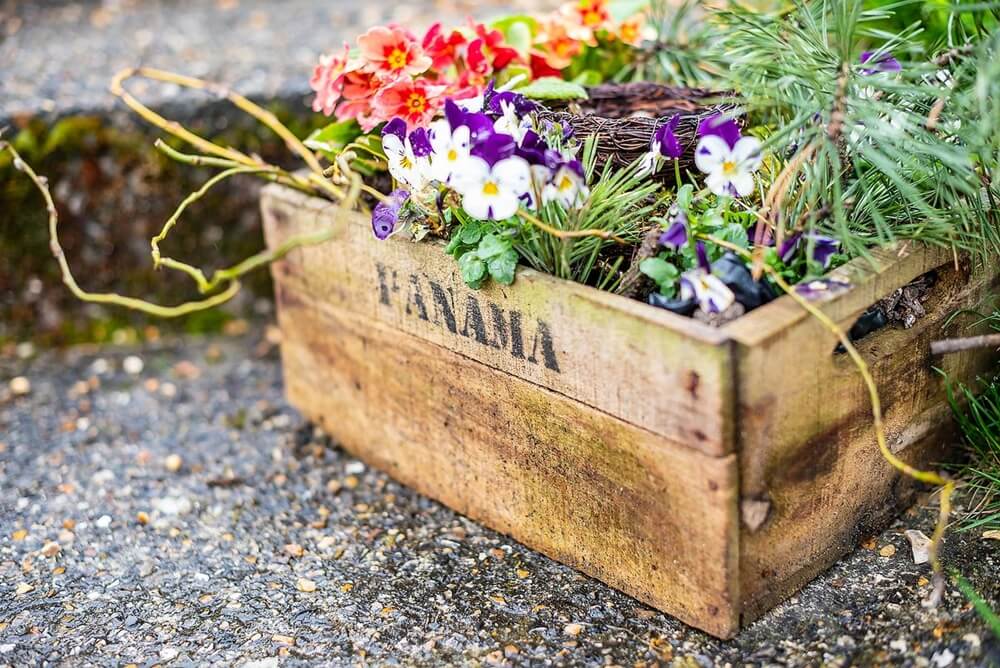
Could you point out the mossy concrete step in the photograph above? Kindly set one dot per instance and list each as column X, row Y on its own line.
column 112, row 189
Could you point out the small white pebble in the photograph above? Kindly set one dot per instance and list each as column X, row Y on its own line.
column 132, row 365
column 25, row 349
column 943, row 659
column 99, row 366
column 354, row 468
column 173, row 463
column 103, row 522
column 169, row 653
column 20, row 386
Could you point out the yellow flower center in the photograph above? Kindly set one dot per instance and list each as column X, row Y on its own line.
column 592, row 18
column 397, row 59
column 405, row 162
column 566, row 183
column 490, row 188
column 416, row 102
column 452, row 155
column 728, row 167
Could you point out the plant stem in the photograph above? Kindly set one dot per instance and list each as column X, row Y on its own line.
column 568, row 234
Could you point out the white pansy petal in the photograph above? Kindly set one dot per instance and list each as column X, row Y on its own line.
column 441, row 136
column 460, row 138
column 504, row 205
column 742, row 182
column 711, row 152
column 513, row 174
column 470, row 174
column 718, row 183
column 648, row 164
column 718, row 294
column 476, row 205
column 747, row 153
column 392, row 145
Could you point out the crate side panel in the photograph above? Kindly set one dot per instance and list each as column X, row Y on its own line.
column 655, row 520
column 812, row 480
column 669, row 375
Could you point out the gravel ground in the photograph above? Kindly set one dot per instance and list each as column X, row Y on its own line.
column 164, row 505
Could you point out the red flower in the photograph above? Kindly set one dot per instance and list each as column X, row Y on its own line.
column 415, row 102
column 392, row 52
column 540, row 66
column 488, row 53
column 358, row 92
column 443, row 49
column 328, row 81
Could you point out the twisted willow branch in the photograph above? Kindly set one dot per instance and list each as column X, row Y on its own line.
column 314, row 182
column 928, row 477
column 226, row 279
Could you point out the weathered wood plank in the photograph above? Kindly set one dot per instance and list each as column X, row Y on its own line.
column 807, row 450
column 659, row 371
column 655, row 519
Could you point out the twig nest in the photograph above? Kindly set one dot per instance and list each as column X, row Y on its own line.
column 625, row 116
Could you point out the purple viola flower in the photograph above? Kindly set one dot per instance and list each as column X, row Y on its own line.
column 536, row 151
column 385, row 216
column 823, row 249
column 494, row 148
column 420, row 141
column 395, row 127
column 521, row 104
column 788, row 247
column 820, row 288
column 480, row 125
column 720, row 126
column 883, row 63
column 702, row 254
column 665, row 139
column 677, row 234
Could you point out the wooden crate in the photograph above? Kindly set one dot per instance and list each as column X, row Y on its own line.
column 707, row 472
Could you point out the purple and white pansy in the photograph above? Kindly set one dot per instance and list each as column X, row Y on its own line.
column 727, row 158
column 490, row 153
column 664, row 144
column 385, row 216
column 712, row 295
column 822, row 248
column 408, row 155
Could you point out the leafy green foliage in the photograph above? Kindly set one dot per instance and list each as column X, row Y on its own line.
column 663, row 273
column 683, row 52
column 332, row 139
column 552, row 88
column 619, row 204
column 871, row 156
column 484, row 250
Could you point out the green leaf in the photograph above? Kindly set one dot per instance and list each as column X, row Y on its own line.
column 588, row 78
column 737, row 234
column 502, row 267
column 491, row 245
column 519, row 32
column 454, row 243
column 471, row 233
column 332, row 139
column 684, row 195
column 472, row 268
column 659, row 270
column 553, row 88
